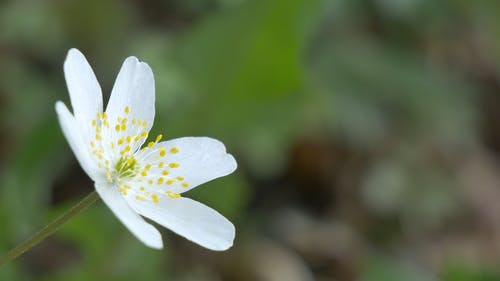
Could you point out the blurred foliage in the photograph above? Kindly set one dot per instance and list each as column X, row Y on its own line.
column 381, row 269
column 466, row 274
column 367, row 134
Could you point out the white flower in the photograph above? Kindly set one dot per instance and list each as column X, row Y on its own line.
column 148, row 181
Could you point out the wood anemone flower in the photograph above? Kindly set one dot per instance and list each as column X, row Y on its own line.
column 135, row 178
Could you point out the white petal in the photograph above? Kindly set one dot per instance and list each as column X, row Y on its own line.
column 134, row 88
column 190, row 219
column 145, row 232
column 84, row 90
column 199, row 159
column 75, row 136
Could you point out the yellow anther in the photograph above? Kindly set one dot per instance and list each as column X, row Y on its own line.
column 122, row 190
column 92, row 144
column 98, row 137
column 165, row 172
column 142, row 188
column 112, row 145
column 163, row 152
column 94, row 122
column 140, row 198
column 99, row 115
column 144, row 134
column 147, row 167
column 134, row 121
column 161, row 164
column 180, row 178
column 159, row 137
column 150, row 181
column 155, row 198
column 173, row 195
column 174, row 150
column 137, row 138
column 127, row 186
column 131, row 161
column 170, row 182
column 124, row 121
column 161, row 180
column 129, row 139
column 124, row 127
column 127, row 110
column 105, row 115
column 144, row 173
column 98, row 129
column 106, row 123
column 120, row 141
column 117, row 128
column 151, row 144
column 185, row 184
column 174, row 165
column 145, row 123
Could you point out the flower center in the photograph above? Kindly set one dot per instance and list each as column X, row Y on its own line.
column 145, row 173
column 126, row 167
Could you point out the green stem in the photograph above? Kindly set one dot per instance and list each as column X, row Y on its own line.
column 49, row 229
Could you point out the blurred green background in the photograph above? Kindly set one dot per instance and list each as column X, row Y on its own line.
column 367, row 134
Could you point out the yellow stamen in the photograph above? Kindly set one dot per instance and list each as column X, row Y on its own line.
column 173, row 195
column 174, row 165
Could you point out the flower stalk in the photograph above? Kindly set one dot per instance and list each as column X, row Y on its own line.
column 49, row 229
